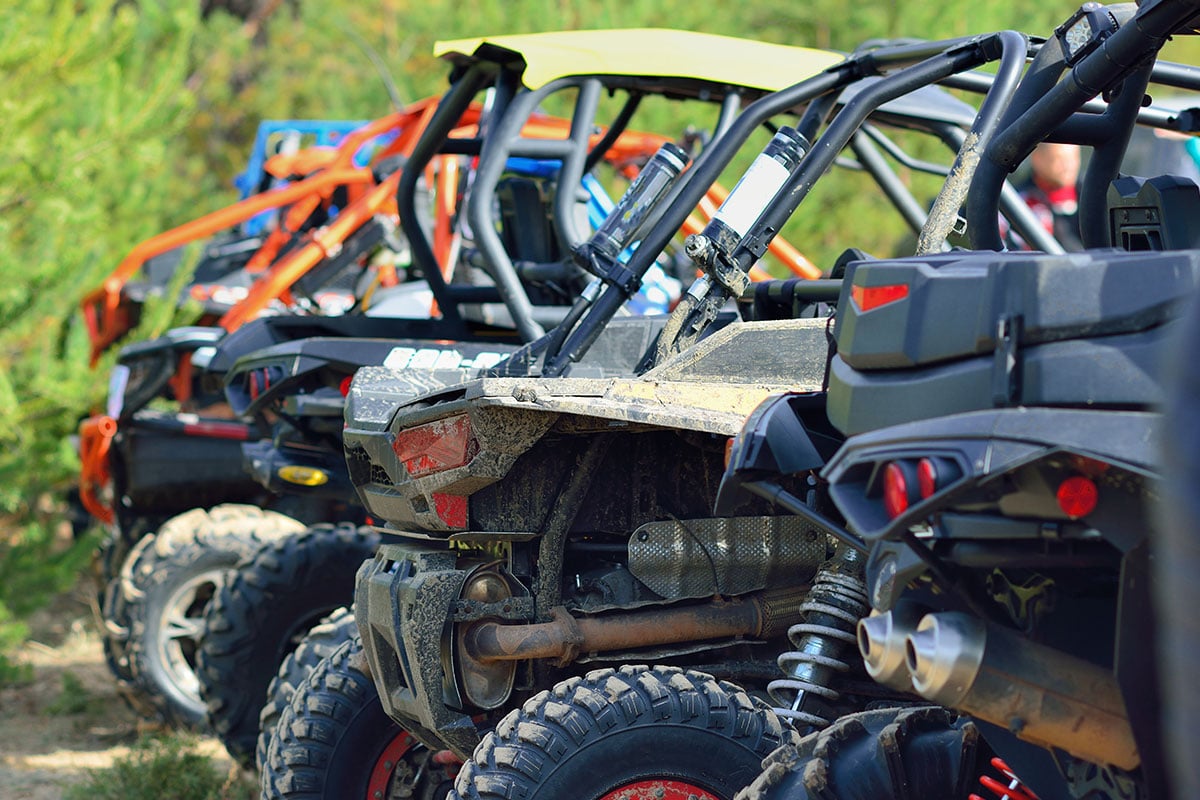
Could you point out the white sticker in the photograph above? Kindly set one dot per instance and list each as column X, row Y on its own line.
column 752, row 193
column 487, row 360
column 425, row 358
column 449, row 359
column 428, row 358
column 399, row 357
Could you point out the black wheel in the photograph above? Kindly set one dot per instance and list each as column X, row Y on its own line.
column 154, row 612
column 317, row 645
column 259, row 616
column 334, row 741
column 638, row 732
column 114, row 549
column 890, row 753
column 114, row 622
column 110, row 557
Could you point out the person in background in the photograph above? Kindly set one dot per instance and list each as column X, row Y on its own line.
column 1050, row 191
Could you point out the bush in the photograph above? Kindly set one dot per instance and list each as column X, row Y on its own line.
column 163, row 767
column 95, row 96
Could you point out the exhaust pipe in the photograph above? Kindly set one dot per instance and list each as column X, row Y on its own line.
column 883, row 642
column 1042, row 695
column 764, row 615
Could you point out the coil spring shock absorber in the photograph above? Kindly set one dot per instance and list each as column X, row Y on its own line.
column 823, row 641
column 1013, row 791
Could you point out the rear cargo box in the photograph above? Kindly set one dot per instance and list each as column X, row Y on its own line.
column 937, row 335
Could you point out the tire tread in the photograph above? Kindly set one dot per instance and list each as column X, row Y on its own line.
column 273, row 594
column 553, row 725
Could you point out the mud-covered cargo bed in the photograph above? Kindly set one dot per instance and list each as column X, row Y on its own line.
column 481, row 427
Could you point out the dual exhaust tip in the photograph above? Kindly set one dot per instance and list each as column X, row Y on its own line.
column 1040, row 694
column 934, row 655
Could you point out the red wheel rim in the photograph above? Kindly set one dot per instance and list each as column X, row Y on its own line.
column 385, row 765
column 659, row 789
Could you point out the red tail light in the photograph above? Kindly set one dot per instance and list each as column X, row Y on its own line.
column 866, row 298
column 935, row 474
column 927, row 476
column 436, row 446
column 259, row 381
column 1077, row 496
column 899, row 487
column 344, row 386
column 451, row 509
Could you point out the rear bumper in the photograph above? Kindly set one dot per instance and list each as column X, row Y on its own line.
column 403, row 604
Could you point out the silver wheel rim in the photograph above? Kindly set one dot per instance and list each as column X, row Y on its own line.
column 180, row 626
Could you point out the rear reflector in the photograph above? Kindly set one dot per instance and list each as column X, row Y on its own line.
column 451, row 509
column 866, row 298
column 303, row 476
column 1077, row 496
column 436, row 446
column 218, row 430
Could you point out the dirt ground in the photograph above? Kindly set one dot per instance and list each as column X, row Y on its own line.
column 69, row 719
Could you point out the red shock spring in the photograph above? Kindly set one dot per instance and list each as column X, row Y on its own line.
column 1013, row 791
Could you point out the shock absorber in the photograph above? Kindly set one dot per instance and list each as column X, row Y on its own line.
column 824, row 641
column 736, row 237
column 601, row 256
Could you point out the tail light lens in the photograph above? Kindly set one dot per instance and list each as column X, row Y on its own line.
column 1077, row 496
column 927, row 475
column 866, row 298
column 436, row 446
column 909, row 481
column 899, row 487
column 935, row 474
column 260, row 381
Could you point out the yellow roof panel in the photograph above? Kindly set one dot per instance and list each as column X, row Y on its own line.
column 653, row 52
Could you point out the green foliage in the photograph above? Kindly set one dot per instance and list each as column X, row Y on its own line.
column 164, row 767
column 72, row 699
column 36, row 565
column 12, row 633
column 93, row 101
column 843, row 26
column 95, row 96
